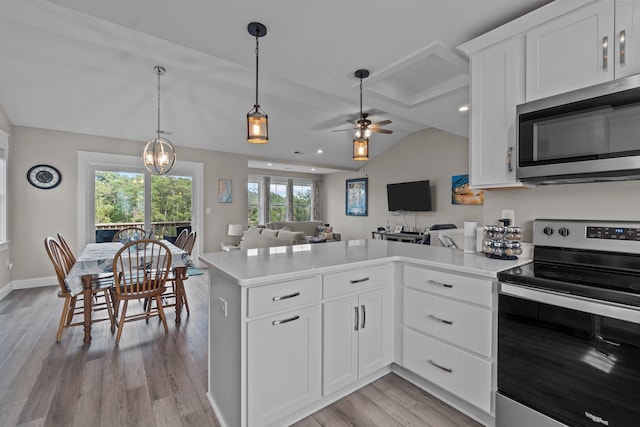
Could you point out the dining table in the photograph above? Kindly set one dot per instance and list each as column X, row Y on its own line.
column 97, row 258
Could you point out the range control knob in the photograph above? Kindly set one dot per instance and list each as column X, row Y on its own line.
column 548, row 231
column 563, row 231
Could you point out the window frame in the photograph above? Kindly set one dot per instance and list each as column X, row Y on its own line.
column 4, row 202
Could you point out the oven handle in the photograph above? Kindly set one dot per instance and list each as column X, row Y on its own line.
column 588, row 305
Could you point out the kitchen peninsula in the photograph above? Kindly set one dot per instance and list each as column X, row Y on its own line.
column 292, row 329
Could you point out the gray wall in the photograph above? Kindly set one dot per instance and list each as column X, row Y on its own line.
column 36, row 214
column 428, row 154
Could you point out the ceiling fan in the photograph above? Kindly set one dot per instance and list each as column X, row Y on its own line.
column 364, row 126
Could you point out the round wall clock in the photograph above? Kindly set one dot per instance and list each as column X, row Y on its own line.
column 44, row 177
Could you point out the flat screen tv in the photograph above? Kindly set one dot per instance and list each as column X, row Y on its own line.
column 409, row 196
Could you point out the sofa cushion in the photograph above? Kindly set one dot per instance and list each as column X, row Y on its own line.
column 296, row 236
column 325, row 232
column 270, row 233
column 309, row 228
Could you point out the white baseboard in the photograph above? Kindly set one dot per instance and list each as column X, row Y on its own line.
column 27, row 284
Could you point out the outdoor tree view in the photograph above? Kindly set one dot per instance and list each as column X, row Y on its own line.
column 120, row 199
column 278, row 211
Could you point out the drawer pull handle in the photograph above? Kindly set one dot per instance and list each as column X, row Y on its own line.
column 280, row 298
column 622, row 39
column 440, row 319
column 449, row 370
column 605, row 52
column 280, row 322
column 444, row 285
column 355, row 309
column 364, row 316
column 353, row 282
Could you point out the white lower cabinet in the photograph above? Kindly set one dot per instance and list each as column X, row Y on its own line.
column 357, row 337
column 448, row 332
column 465, row 375
column 283, row 361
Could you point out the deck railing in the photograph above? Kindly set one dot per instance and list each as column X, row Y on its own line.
column 158, row 229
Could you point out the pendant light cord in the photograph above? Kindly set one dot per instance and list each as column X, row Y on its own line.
column 257, row 55
column 159, row 71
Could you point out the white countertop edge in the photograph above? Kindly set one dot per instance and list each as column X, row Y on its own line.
column 496, row 266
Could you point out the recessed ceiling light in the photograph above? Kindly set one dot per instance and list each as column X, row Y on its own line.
column 319, row 151
column 269, row 164
column 313, row 169
column 463, row 108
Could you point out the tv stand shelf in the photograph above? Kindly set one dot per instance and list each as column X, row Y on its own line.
column 400, row 237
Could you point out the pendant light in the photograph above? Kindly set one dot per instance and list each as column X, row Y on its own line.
column 361, row 140
column 158, row 155
column 257, row 120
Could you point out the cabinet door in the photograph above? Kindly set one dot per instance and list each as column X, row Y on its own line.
column 283, row 356
column 573, row 51
column 375, row 331
column 340, row 339
column 497, row 86
column 627, row 38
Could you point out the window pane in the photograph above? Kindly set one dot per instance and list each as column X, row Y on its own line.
column 170, row 204
column 278, row 210
column 302, row 202
column 253, row 191
column 119, row 202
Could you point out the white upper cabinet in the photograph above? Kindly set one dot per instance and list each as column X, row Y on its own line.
column 497, row 86
column 590, row 45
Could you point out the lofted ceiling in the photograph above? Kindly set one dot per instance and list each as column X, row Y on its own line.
column 86, row 66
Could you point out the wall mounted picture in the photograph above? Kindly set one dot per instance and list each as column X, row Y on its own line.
column 224, row 191
column 356, row 203
column 461, row 194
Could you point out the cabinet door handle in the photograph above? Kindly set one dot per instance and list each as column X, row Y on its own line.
column 364, row 316
column 364, row 279
column 280, row 322
column 440, row 319
column 355, row 328
column 623, row 42
column 280, row 298
column 605, row 52
column 509, row 158
column 449, row 370
column 444, row 285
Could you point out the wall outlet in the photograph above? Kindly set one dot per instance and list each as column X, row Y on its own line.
column 510, row 214
column 222, row 305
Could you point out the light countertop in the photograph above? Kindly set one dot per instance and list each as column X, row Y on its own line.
column 267, row 265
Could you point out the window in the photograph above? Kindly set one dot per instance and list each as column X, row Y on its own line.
column 301, row 202
column 278, row 210
column 253, row 190
column 280, row 205
column 4, row 149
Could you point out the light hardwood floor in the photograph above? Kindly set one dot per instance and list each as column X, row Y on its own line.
column 152, row 379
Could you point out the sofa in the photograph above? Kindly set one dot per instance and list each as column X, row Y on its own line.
column 286, row 233
column 311, row 229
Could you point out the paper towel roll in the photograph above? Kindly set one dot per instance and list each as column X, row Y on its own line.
column 470, row 229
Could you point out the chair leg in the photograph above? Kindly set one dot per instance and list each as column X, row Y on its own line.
column 184, row 299
column 63, row 318
column 161, row 313
column 71, row 308
column 121, row 321
column 107, row 298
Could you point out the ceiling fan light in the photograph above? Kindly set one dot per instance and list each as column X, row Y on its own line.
column 367, row 132
column 257, row 126
column 358, row 133
column 361, row 149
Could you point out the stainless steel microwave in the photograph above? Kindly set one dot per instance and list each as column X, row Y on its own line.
column 591, row 134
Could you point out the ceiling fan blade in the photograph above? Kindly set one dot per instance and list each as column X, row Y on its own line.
column 378, row 130
column 382, row 123
column 344, row 130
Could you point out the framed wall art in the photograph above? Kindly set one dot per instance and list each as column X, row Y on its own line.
column 224, row 191
column 356, row 203
column 461, row 194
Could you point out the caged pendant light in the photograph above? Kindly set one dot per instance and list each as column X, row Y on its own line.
column 361, row 140
column 257, row 120
column 158, row 155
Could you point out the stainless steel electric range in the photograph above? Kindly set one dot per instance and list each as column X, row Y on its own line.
column 569, row 328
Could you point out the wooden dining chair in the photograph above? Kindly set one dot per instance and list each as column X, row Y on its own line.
column 140, row 271
column 73, row 304
column 168, row 297
column 182, row 237
column 128, row 234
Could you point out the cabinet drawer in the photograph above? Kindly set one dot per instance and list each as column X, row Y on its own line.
column 470, row 289
column 459, row 323
column 272, row 298
column 345, row 282
column 464, row 375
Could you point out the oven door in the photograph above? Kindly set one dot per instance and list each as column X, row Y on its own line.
column 566, row 358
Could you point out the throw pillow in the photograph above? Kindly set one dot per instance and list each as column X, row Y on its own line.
column 256, row 230
column 297, row 236
column 269, row 232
